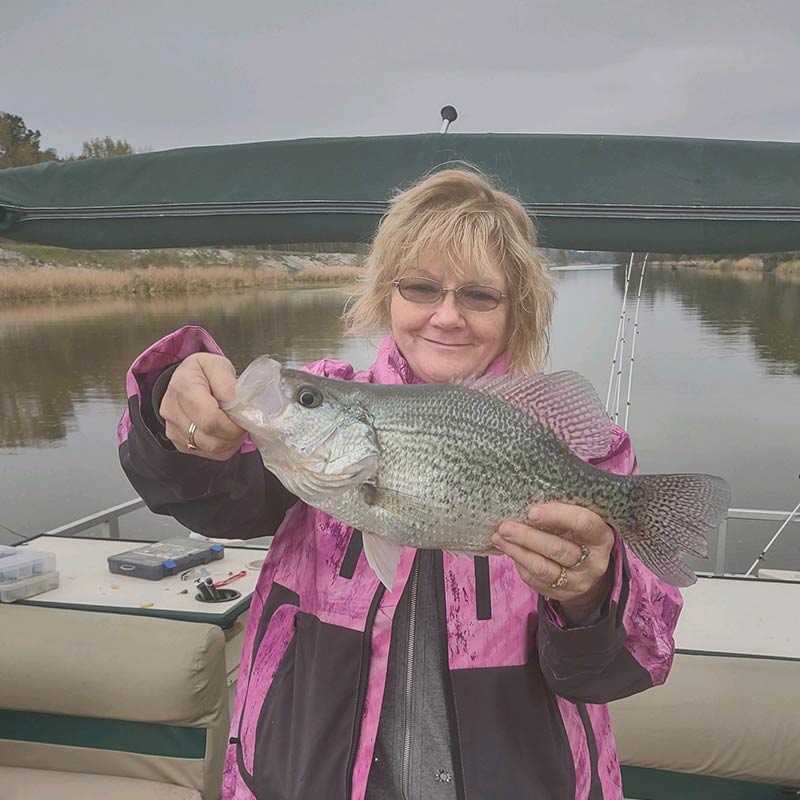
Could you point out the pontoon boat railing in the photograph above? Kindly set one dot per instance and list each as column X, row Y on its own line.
column 109, row 518
column 744, row 513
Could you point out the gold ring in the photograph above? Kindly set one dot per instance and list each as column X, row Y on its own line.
column 562, row 580
column 584, row 555
column 190, row 442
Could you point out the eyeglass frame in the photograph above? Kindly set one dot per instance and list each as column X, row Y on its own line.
column 455, row 289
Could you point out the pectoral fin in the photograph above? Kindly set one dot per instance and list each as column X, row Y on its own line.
column 383, row 556
column 394, row 500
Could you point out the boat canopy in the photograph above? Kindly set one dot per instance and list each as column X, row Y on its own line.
column 616, row 193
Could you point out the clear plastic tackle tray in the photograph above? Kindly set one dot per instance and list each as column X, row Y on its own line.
column 19, row 563
column 28, row 587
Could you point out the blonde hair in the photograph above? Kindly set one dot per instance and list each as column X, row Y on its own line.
column 461, row 217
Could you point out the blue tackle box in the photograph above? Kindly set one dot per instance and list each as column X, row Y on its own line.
column 160, row 559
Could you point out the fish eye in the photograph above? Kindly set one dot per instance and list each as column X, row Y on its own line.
column 309, row 396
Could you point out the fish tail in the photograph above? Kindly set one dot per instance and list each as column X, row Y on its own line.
column 670, row 515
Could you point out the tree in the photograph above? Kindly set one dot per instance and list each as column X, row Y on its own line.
column 106, row 148
column 20, row 146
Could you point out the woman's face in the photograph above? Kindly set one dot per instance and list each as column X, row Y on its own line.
column 444, row 340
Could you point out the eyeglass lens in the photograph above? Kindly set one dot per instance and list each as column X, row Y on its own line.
column 474, row 296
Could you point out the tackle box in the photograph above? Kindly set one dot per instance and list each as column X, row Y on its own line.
column 25, row 573
column 160, row 559
column 28, row 587
column 17, row 563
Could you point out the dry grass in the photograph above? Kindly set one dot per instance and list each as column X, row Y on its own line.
column 789, row 269
column 56, row 283
column 747, row 264
column 785, row 267
column 323, row 274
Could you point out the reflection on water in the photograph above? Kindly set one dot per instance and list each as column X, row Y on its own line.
column 763, row 307
column 717, row 383
column 54, row 356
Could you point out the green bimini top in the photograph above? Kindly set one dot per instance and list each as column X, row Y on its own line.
column 620, row 193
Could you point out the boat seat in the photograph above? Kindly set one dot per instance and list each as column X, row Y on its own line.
column 721, row 724
column 23, row 784
column 134, row 705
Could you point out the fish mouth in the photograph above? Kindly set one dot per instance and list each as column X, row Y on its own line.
column 259, row 386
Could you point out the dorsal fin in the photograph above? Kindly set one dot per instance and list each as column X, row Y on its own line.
column 564, row 402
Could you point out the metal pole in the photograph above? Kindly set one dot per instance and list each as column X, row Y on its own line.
column 772, row 540
column 619, row 334
column 633, row 345
column 722, row 543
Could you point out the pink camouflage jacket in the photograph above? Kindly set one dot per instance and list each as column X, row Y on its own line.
column 525, row 695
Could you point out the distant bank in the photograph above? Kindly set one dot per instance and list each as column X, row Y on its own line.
column 33, row 272
column 782, row 265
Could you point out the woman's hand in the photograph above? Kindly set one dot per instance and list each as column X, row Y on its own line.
column 195, row 390
column 547, row 551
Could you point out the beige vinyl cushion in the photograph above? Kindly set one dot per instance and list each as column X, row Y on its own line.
column 111, row 665
column 17, row 783
column 120, row 667
column 717, row 715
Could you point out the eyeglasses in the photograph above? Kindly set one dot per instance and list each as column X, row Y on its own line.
column 473, row 296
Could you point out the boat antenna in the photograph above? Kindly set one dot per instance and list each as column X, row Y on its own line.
column 772, row 541
column 449, row 114
column 633, row 345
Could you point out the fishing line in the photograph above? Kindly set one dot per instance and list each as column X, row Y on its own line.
column 619, row 333
column 633, row 345
column 6, row 528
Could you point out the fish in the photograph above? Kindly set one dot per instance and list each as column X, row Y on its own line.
column 440, row 465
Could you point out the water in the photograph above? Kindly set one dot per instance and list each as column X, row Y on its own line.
column 716, row 385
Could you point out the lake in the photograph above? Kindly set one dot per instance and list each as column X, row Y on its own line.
column 716, row 385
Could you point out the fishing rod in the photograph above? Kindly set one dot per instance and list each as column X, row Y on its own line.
column 618, row 376
column 633, row 345
column 621, row 361
column 772, row 541
column 619, row 333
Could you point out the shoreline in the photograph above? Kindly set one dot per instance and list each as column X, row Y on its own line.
column 35, row 273
column 75, row 283
column 753, row 266
column 32, row 273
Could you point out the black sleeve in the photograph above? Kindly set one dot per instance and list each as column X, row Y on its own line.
column 234, row 499
column 590, row 663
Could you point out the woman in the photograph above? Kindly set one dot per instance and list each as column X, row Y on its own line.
column 471, row 678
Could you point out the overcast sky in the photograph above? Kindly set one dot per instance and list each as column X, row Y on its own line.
column 176, row 73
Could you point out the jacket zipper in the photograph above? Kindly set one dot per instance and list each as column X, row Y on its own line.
column 449, row 695
column 363, row 675
column 412, row 632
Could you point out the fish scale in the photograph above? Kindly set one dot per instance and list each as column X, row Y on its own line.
column 441, row 465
